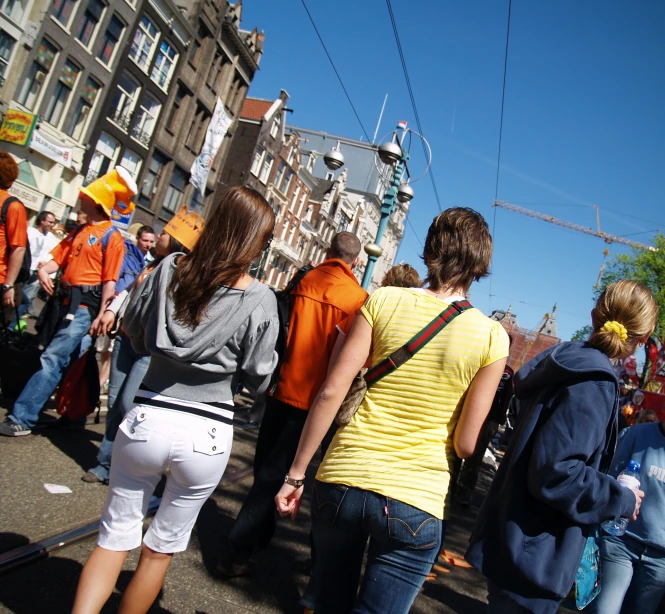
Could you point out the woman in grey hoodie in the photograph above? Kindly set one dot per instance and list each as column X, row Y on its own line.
column 205, row 323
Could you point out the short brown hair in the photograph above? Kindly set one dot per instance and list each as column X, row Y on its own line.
column 8, row 170
column 629, row 304
column 458, row 249
column 345, row 246
column 402, row 276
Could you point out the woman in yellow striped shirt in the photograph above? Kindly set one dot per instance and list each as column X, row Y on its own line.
column 385, row 476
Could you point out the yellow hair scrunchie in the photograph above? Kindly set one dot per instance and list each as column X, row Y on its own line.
column 611, row 326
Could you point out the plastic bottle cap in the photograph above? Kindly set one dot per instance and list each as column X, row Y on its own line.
column 634, row 465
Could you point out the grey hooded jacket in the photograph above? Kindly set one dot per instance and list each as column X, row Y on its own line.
column 236, row 335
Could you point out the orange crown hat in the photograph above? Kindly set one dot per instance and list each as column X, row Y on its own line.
column 113, row 191
column 186, row 226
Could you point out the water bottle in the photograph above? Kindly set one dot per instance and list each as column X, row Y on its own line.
column 630, row 478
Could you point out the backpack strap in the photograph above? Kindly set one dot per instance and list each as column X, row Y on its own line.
column 5, row 208
column 107, row 237
column 417, row 342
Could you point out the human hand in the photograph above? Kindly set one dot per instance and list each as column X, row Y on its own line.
column 639, row 495
column 45, row 281
column 107, row 322
column 8, row 298
column 288, row 500
column 96, row 327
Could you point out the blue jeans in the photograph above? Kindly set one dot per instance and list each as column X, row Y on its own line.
column 633, row 574
column 127, row 371
column 404, row 543
column 71, row 338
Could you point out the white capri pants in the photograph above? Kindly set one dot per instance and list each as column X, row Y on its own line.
column 151, row 440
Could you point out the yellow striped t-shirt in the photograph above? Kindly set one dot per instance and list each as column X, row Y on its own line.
column 399, row 442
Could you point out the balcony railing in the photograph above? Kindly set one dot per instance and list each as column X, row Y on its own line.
column 120, row 118
column 281, row 246
column 141, row 136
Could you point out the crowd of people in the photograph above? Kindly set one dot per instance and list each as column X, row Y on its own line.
column 190, row 327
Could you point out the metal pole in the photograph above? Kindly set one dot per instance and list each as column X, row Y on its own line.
column 387, row 206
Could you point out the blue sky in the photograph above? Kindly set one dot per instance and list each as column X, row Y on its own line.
column 584, row 121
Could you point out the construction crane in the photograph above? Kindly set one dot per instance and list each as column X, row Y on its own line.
column 590, row 231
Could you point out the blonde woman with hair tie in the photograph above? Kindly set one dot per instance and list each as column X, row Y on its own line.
column 552, row 489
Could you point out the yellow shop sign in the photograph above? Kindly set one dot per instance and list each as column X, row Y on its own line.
column 17, row 127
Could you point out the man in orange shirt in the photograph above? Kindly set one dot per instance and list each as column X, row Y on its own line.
column 91, row 257
column 323, row 300
column 13, row 238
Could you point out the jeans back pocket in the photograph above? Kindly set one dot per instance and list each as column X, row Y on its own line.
column 411, row 527
column 326, row 501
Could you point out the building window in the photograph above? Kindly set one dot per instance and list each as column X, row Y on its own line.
column 124, row 101
column 132, row 162
column 110, row 41
column 179, row 100
column 6, row 47
column 286, row 182
column 151, row 181
column 274, row 129
column 266, row 168
column 280, row 173
column 197, row 44
column 330, row 176
column 89, row 21
column 146, row 118
column 164, row 65
column 291, row 156
column 36, row 78
column 197, row 132
column 14, row 9
column 83, row 109
column 176, row 191
column 144, row 43
column 63, row 11
column 258, row 161
column 214, row 78
column 104, row 156
column 61, row 93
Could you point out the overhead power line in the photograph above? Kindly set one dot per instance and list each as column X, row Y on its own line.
column 413, row 99
column 336, row 72
column 498, row 157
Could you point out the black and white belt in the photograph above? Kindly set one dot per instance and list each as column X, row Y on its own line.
column 150, row 398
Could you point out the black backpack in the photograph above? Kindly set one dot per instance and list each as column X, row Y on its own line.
column 284, row 314
column 24, row 271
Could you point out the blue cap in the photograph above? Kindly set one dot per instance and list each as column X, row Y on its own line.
column 634, row 466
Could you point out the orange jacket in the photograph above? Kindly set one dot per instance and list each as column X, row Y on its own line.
column 324, row 298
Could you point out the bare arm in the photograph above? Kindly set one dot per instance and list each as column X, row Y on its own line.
column 352, row 357
column 476, row 407
column 43, row 274
column 108, row 290
column 339, row 342
column 13, row 268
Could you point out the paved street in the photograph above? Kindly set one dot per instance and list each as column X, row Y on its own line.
column 29, row 513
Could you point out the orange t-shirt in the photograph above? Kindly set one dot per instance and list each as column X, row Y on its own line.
column 17, row 231
column 82, row 255
column 324, row 299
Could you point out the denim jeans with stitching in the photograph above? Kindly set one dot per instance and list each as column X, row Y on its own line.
column 127, row 371
column 72, row 338
column 404, row 543
column 633, row 574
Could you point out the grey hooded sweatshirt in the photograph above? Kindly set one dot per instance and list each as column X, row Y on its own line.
column 237, row 334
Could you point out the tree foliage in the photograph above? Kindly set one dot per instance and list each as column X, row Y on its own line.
column 641, row 265
column 647, row 267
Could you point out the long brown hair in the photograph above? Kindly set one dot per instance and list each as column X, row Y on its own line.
column 235, row 234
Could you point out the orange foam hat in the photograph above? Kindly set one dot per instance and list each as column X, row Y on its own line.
column 113, row 191
column 186, row 226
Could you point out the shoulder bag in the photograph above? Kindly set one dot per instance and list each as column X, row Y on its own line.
column 367, row 377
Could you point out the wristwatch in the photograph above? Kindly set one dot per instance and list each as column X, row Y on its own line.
column 6, row 287
column 292, row 482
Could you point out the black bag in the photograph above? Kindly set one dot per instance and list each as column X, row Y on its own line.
column 284, row 314
column 19, row 360
column 24, row 271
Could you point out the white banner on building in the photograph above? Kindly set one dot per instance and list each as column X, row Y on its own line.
column 62, row 155
column 218, row 127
